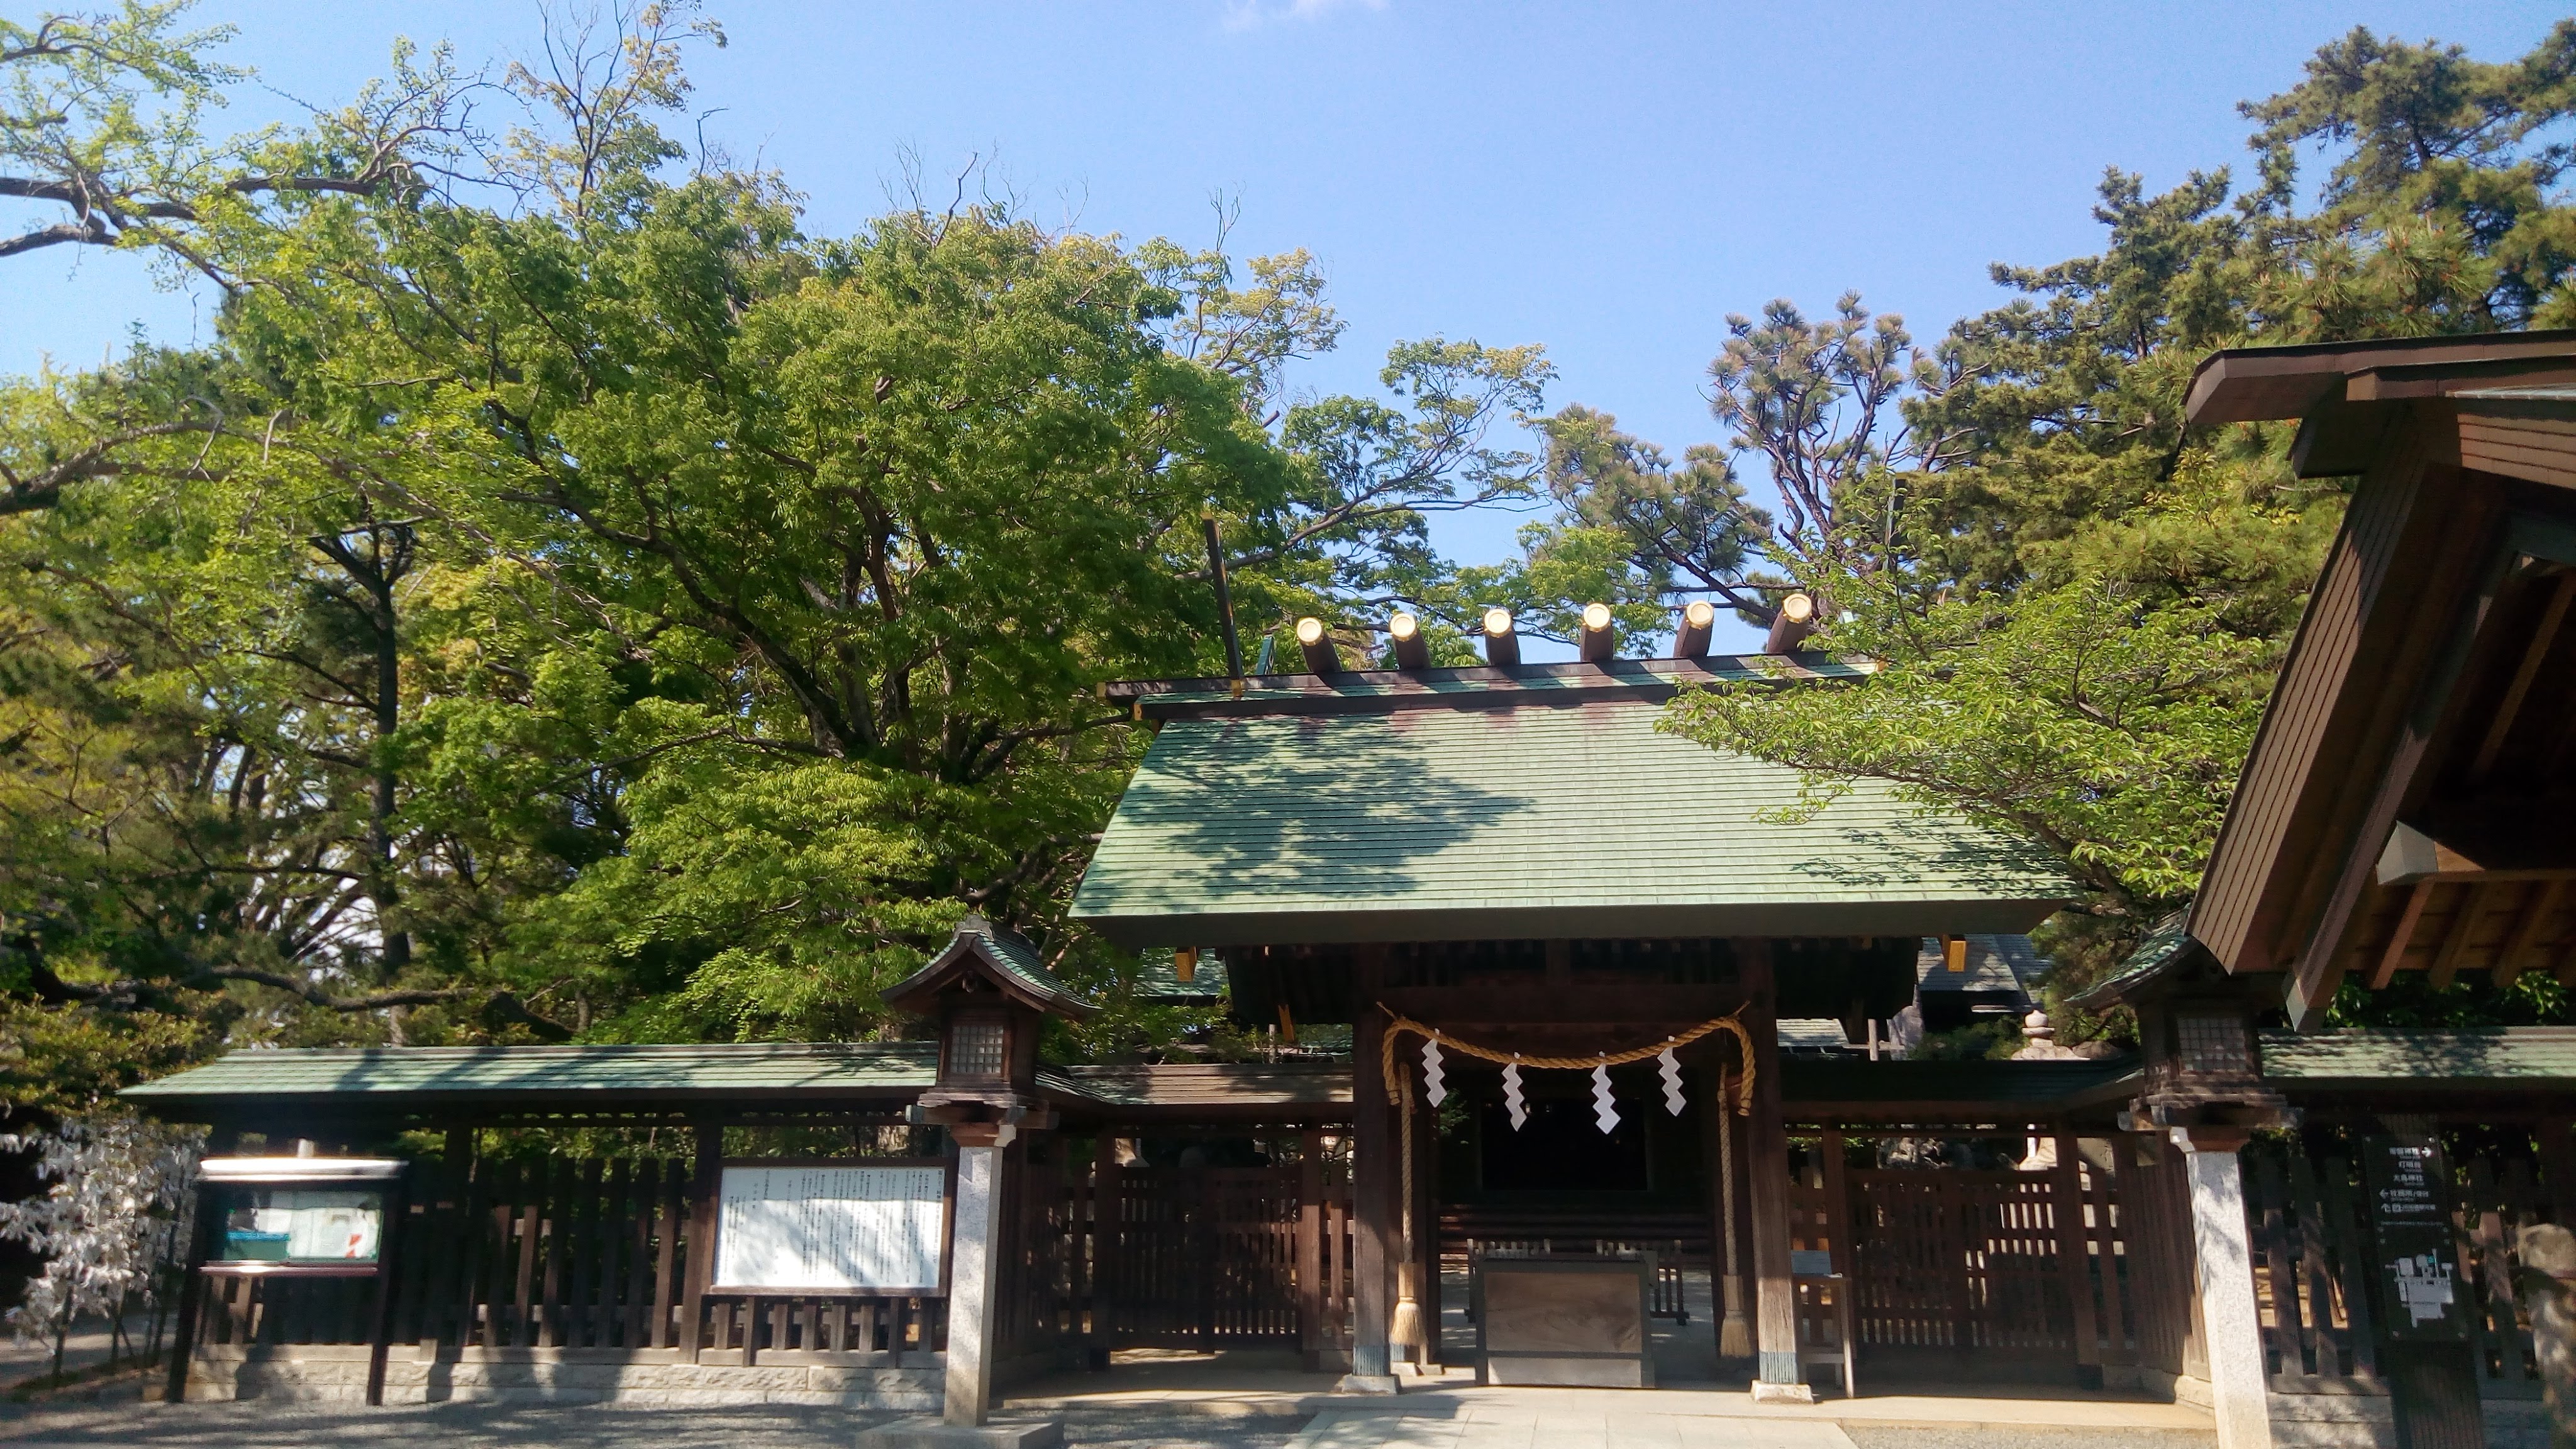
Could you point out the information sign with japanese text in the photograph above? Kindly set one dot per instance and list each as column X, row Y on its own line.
column 825, row 1229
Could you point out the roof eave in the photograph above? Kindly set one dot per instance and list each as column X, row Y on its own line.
column 1326, row 924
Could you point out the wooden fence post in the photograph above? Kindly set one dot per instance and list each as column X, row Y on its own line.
column 706, row 1180
column 1310, row 1248
column 2074, row 1258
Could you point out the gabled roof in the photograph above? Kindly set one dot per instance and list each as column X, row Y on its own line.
column 2425, row 716
column 2167, row 947
column 981, row 948
column 1531, row 822
column 2252, row 384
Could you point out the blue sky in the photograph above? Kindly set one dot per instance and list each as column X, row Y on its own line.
column 1609, row 180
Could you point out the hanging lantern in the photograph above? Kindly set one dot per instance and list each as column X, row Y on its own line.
column 1512, row 1103
column 1602, row 1111
column 1672, row 1081
column 1434, row 1088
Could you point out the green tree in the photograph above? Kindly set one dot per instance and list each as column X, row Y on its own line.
column 2077, row 605
column 568, row 599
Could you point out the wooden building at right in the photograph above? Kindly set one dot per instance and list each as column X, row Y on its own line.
column 2409, row 809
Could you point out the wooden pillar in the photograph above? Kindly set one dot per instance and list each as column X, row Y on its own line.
column 2075, row 1258
column 706, row 1182
column 1108, row 1212
column 203, row 1226
column 1845, row 1258
column 1310, row 1248
column 1766, row 1172
column 1373, row 1190
column 391, row 1234
column 1426, row 1227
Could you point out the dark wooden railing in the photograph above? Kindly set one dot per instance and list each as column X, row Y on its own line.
column 2313, row 1263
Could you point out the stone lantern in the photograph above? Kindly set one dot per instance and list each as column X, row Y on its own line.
column 990, row 994
column 2203, row 1066
column 2203, row 1089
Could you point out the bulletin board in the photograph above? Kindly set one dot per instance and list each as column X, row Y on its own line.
column 833, row 1228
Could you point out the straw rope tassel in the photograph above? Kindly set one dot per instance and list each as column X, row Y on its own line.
column 1734, row 1334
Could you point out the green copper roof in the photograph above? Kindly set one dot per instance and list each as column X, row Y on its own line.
column 1518, row 823
column 2424, row 1057
column 1015, row 955
column 731, row 1068
column 2167, row 944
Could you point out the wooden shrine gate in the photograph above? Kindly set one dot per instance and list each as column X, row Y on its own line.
column 1204, row 1258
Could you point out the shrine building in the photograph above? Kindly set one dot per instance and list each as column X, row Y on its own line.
column 1574, row 1060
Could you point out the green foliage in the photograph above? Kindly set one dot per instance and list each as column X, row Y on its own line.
column 1981, row 1041
column 2078, row 606
column 568, row 599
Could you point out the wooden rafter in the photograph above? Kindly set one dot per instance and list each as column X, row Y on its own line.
column 2401, row 935
column 2526, row 929
column 2552, row 616
column 2455, row 939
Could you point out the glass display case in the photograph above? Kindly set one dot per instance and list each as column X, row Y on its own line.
column 298, row 1215
column 299, row 1225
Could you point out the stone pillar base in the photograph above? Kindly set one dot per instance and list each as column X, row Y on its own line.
column 1367, row 1384
column 926, row 1432
column 1766, row 1393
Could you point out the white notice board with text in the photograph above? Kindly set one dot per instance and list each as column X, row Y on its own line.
column 824, row 1229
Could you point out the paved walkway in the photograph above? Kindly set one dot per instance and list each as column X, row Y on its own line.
column 86, row 1345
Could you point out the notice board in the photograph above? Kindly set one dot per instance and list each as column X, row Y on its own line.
column 833, row 1228
column 2418, row 1251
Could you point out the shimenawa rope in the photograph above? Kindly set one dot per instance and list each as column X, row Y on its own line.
column 1405, row 1326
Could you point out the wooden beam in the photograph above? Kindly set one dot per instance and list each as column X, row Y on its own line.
column 2564, row 968
column 1411, row 651
column 2526, row 929
column 2446, row 961
column 1502, row 645
column 1699, row 620
column 1315, row 642
column 1598, row 640
column 2552, row 616
column 2477, row 849
column 2401, row 935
